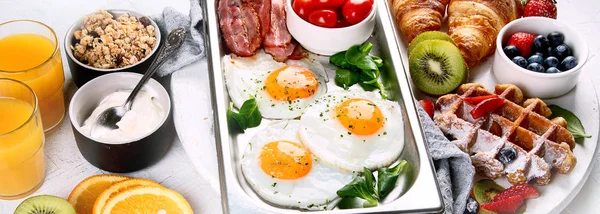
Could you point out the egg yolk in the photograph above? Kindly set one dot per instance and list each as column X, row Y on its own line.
column 291, row 82
column 360, row 116
column 285, row 160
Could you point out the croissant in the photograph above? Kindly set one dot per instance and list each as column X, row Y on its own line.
column 474, row 25
column 417, row 16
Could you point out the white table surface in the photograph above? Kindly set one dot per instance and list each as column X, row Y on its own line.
column 194, row 179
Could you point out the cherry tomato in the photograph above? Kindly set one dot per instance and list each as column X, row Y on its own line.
column 356, row 10
column 328, row 3
column 303, row 8
column 342, row 23
column 323, row 18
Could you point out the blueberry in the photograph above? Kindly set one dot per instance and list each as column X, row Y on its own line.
column 568, row 63
column 541, row 53
column 561, row 51
column 540, row 43
column 471, row 207
column 556, row 38
column 551, row 62
column 535, row 59
column 552, row 70
column 536, row 67
column 507, row 155
column 520, row 61
column 511, row 51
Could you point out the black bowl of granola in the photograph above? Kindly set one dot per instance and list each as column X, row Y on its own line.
column 110, row 41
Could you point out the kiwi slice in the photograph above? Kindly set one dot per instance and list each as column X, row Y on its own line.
column 485, row 190
column 429, row 35
column 437, row 67
column 45, row 204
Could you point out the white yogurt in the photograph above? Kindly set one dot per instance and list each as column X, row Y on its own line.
column 145, row 116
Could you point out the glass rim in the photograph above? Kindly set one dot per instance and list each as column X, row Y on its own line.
column 35, row 106
column 56, row 44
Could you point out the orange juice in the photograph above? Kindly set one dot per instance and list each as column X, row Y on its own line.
column 21, row 148
column 35, row 60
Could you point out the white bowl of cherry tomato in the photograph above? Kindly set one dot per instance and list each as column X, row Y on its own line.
column 542, row 56
column 329, row 26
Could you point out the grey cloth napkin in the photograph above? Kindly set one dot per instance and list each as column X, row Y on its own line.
column 454, row 170
column 193, row 47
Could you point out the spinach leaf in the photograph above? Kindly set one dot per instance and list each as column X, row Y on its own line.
column 346, row 78
column 378, row 61
column 339, row 60
column 387, row 178
column 360, row 188
column 370, row 179
column 247, row 117
column 366, row 63
column 369, row 80
column 235, row 120
column 249, row 111
column 358, row 52
column 573, row 123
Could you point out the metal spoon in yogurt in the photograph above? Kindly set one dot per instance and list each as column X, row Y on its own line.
column 108, row 119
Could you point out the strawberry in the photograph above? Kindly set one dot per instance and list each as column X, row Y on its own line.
column 427, row 106
column 525, row 190
column 508, row 205
column 545, row 8
column 523, row 42
column 478, row 99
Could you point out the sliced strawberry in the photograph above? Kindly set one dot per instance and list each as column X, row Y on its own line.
column 478, row 99
column 525, row 190
column 508, row 205
column 427, row 106
column 486, row 106
column 545, row 8
column 523, row 42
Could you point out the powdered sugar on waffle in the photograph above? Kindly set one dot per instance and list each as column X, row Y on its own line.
column 511, row 125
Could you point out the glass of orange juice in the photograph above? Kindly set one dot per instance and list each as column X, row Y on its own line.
column 29, row 52
column 22, row 169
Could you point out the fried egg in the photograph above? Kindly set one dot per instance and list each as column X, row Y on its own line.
column 282, row 171
column 353, row 129
column 282, row 91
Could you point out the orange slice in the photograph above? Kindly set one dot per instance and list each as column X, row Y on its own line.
column 85, row 193
column 119, row 187
column 147, row 199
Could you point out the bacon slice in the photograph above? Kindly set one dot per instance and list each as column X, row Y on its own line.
column 240, row 27
column 299, row 52
column 263, row 10
column 278, row 41
column 281, row 54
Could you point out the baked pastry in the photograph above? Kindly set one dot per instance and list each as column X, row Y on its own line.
column 417, row 16
column 474, row 25
column 539, row 144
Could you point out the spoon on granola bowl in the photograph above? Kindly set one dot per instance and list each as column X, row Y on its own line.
column 108, row 119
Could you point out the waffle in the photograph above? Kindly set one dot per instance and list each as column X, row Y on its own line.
column 541, row 144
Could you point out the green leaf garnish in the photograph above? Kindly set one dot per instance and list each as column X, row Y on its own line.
column 359, row 188
column 387, row 178
column 573, row 123
column 357, row 59
column 339, row 60
column 378, row 61
column 358, row 52
column 346, row 78
column 366, row 191
column 247, row 117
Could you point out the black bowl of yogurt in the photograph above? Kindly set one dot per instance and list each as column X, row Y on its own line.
column 145, row 133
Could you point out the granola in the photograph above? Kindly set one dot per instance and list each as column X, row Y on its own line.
column 105, row 42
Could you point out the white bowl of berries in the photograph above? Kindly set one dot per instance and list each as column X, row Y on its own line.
column 540, row 55
column 329, row 26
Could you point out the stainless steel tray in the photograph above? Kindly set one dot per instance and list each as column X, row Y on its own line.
column 417, row 191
